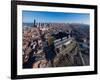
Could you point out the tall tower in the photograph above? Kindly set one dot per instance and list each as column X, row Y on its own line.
column 34, row 24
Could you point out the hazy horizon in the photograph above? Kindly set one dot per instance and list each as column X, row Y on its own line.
column 55, row 17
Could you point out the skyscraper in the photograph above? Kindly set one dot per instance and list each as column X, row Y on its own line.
column 34, row 24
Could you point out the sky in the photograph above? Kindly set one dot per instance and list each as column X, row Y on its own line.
column 55, row 17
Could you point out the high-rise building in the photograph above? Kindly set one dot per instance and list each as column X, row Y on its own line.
column 34, row 24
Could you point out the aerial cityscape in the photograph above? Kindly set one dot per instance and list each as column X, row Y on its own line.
column 55, row 39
